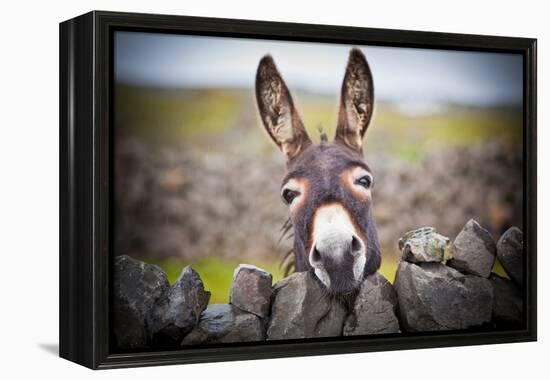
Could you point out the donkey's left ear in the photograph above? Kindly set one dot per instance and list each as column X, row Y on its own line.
column 356, row 102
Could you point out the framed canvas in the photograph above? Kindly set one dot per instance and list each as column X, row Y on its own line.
column 234, row 189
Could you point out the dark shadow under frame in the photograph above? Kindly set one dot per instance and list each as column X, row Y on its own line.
column 86, row 186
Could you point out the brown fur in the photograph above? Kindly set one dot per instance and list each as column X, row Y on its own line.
column 324, row 166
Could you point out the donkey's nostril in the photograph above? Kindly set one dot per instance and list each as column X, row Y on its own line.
column 355, row 244
column 315, row 255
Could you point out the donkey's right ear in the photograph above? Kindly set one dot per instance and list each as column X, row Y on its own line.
column 277, row 111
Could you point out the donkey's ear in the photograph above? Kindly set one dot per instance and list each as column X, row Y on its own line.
column 356, row 102
column 280, row 118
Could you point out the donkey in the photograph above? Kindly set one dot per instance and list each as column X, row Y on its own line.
column 328, row 185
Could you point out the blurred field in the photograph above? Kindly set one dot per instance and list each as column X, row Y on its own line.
column 197, row 180
column 217, row 272
column 172, row 116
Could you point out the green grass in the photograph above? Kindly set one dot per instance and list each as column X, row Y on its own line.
column 498, row 269
column 171, row 115
column 411, row 138
column 217, row 272
column 202, row 116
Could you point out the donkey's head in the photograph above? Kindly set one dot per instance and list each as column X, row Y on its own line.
column 328, row 185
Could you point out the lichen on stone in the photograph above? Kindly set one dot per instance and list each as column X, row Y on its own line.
column 425, row 245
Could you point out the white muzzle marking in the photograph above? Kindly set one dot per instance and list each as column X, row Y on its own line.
column 333, row 232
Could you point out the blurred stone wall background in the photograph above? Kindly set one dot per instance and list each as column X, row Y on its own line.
column 169, row 203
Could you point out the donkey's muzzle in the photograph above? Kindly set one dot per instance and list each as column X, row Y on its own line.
column 338, row 261
column 337, row 254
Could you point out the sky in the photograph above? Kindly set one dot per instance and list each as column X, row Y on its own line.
column 401, row 75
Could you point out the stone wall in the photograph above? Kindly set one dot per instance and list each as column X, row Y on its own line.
column 439, row 285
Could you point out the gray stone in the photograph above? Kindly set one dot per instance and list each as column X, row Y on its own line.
column 302, row 309
column 222, row 323
column 424, row 245
column 508, row 302
column 374, row 310
column 510, row 254
column 137, row 287
column 473, row 250
column 251, row 290
column 178, row 313
column 435, row 297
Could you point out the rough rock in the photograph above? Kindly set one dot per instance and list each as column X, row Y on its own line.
column 435, row 297
column 510, row 254
column 222, row 323
column 178, row 313
column 301, row 309
column 374, row 310
column 424, row 245
column 251, row 290
column 508, row 301
column 137, row 286
column 473, row 250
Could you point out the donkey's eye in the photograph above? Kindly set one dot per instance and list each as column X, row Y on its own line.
column 365, row 181
column 289, row 195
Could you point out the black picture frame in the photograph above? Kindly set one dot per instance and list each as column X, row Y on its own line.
column 86, row 52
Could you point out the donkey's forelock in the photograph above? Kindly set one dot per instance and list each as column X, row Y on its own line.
column 327, row 185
